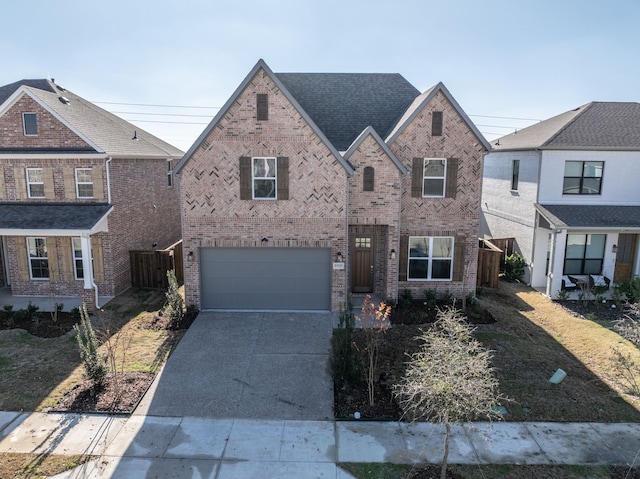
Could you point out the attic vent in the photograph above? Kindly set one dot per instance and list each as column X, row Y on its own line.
column 64, row 100
column 262, row 107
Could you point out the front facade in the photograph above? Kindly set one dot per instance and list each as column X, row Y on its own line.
column 566, row 190
column 308, row 187
column 79, row 189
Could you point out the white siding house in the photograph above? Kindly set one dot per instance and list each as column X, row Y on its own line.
column 566, row 189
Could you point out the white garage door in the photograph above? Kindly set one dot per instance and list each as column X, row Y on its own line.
column 266, row 278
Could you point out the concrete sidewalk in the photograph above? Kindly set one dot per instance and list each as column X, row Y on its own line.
column 150, row 446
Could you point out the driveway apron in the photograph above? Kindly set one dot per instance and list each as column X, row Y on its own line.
column 249, row 365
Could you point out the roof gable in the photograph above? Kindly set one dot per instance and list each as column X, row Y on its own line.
column 344, row 104
column 261, row 65
column 104, row 131
column 421, row 102
column 370, row 131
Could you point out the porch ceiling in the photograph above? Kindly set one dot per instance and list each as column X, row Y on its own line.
column 53, row 219
column 591, row 216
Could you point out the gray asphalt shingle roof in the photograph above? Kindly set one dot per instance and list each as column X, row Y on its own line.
column 51, row 216
column 342, row 105
column 591, row 216
column 109, row 133
column 594, row 126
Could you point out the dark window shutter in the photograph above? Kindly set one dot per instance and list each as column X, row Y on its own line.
column 245, row 178
column 404, row 258
column 458, row 259
column 452, row 178
column 436, row 123
column 368, row 179
column 417, row 175
column 262, row 107
column 283, row 178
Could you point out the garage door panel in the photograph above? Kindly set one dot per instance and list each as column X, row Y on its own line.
column 266, row 278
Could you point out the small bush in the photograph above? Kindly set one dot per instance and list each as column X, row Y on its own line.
column 406, row 299
column 95, row 365
column 514, row 268
column 631, row 289
column 174, row 304
column 346, row 366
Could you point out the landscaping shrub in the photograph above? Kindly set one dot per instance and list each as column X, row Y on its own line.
column 174, row 304
column 345, row 360
column 95, row 365
column 514, row 267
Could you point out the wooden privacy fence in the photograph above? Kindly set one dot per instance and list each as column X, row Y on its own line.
column 149, row 268
column 489, row 259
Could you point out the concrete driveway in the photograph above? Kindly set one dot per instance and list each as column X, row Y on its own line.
column 255, row 365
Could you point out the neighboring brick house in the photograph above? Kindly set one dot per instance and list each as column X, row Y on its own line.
column 567, row 190
column 79, row 189
column 307, row 187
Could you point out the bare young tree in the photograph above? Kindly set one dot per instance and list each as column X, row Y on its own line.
column 450, row 379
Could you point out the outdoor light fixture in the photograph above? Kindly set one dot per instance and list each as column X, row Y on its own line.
column 338, row 257
column 190, row 256
column 393, row 254
column 614, row 248
column 264, row 240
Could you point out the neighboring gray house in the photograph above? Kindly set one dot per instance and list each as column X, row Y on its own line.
column 567, row 190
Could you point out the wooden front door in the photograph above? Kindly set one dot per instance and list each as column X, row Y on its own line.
column 362, row 281
column 625, row 255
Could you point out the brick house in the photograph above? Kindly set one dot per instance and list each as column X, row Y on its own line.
column 79, row 189
column 307, row 187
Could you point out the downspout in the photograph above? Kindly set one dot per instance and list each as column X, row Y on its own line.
column 93, row 279
column 106, row 167
column 399, row 254
column 347, row 270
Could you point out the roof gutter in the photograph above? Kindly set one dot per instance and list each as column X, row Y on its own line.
column 106, row 167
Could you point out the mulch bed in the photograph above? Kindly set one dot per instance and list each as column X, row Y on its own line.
column 42, row 325
column 120, row 393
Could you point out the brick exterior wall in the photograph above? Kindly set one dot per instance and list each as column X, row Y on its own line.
column 213, row 213
column 377, row 212
column 443, row 216
column 146, row 210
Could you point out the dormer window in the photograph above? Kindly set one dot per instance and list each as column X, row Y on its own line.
column 262, row 107
column 30, row 124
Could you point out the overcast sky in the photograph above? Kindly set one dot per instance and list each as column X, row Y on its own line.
column 500, row 59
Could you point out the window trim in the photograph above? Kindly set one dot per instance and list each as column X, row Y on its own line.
column 29, row 182
column 582, row 177
column 37, row 258
column 444, row 178
column 77, row 258
column 78, row 183
column 515, row 174
column 254, row 178
column 430, row 259
column 584, row 258
column 24, row 123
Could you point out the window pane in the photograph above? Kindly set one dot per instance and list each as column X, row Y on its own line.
column 573, row 168
column 30, row 124
column 433, row 187
column 264, row 167
column 85, row 191
column 34, row 175
column 36, row 191
column 264, row 188
column 575, row 246
column 595, row 246
column 418, row 247
column 573, row 266
column 591, row 186
column 433, row 167
column 418, row 268
column 571, row 186
column 442, row 247
column 593, row 169
column 84, row 175
column 592, row 266
column 39, row 268
column 441, row 269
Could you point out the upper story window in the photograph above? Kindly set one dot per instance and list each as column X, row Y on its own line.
column 582, row 177
column 38, row 258
column 264, row 177
column 433, row 177
column 430, row 258
column 35, row 183
column 436, row 123
column 262, row 107
column 170, row 173
column 515, row 174
column 30, row 124
column 84, row 183
column 368, row 178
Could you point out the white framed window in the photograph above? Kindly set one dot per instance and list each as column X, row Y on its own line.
column 30, row 124
column 434, row 175
column 35, row 183
column 38, row 258
column 78, row 269
column 264, row 178
column 84, row 183
column 430, row 258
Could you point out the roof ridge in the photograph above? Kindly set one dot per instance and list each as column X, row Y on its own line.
column 583, row 109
